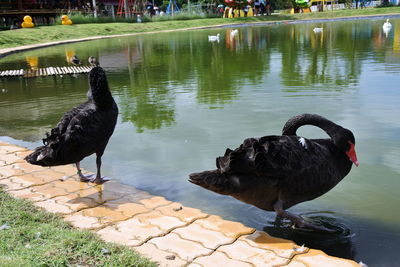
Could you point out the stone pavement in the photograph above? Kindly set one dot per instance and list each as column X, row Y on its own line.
column 165, row 231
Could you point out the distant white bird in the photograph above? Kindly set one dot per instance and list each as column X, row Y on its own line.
column 316, row 30
column 387, row 26
column 213, row 38
column 234, row 32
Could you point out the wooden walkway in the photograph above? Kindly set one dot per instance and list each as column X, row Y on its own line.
column 45, row 71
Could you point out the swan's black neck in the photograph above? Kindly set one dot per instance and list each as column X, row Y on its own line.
column 99, row 91
column 296, row 122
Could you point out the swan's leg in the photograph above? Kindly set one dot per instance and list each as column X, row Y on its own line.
column 99, row 179
column 82, row 177
column 296, row 219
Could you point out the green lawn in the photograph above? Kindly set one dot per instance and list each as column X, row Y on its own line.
column 38, row 238
column 59, row 32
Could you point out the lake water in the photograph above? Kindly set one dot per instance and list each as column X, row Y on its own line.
column 184, row 100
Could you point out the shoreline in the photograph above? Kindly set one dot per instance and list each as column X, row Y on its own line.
column 164, row 231
column 8, row 51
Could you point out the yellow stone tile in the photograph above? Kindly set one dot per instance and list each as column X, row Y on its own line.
column 156, row 218
column 96, row 193
column 72, row 185
column 28, row 193
column 27, row 167
column 186, row 250
column 22, row 154
column 6, row 149
column 33, row 179
column 127, row 209
column 208, row 238
column 108, row 192
column 10, row 170
column 10, row 184
column 155, row 202
column 163, row 258
column 49, row 191
column 67, row 170
column 75, row 203
column 110, row 234
column 282, row 247
column 242, row 251
column 9, row 159
column 320, row 259
column 47, row 175
column 104, row 215
column 131, row 232
column 84, row 222
column 184, row 213
column 52, row 206
column 296, row 264
column 220, row 259
column 228, row 228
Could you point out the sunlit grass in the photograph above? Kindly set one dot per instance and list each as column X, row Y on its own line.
column 32, row 237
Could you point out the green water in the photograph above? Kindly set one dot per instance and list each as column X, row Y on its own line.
column 184, row 100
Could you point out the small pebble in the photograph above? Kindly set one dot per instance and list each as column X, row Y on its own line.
column 177, row 209
column 170, row 257
column 105, row 251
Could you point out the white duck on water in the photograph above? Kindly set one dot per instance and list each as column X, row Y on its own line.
column 317, row 30
column 387, row 25
column 213, row 38
column 234, row 32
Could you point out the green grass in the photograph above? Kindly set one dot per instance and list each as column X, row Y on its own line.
column 60, row 32
column 38, row 238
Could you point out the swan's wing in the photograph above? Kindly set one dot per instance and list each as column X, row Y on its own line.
column 275, row 157
column 62, row 125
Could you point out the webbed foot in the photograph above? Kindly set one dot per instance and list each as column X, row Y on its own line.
column 86, row 178
column 100, row 180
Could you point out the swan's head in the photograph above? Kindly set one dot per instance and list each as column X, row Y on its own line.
column 387, row 20
column 345, row 141
column 98, row 79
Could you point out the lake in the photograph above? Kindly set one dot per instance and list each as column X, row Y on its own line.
column 183, row 100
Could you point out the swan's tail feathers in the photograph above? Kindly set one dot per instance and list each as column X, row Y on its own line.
column 216, row 181
column 43, row 156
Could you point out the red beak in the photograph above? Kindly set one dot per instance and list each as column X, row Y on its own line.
column 352, row 154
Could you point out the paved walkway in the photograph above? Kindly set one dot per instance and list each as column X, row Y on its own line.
column 165, row 231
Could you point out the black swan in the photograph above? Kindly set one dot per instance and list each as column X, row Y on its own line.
column 82, row 131
column 274, row 173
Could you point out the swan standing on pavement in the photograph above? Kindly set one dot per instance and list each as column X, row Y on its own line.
column 82, row 131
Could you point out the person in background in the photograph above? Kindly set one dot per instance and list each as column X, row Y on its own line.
column 257, row 7
column 268, row 7
column 262, row 7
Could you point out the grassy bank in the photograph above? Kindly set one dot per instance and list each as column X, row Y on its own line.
column 31, row 237
column 59, row 32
